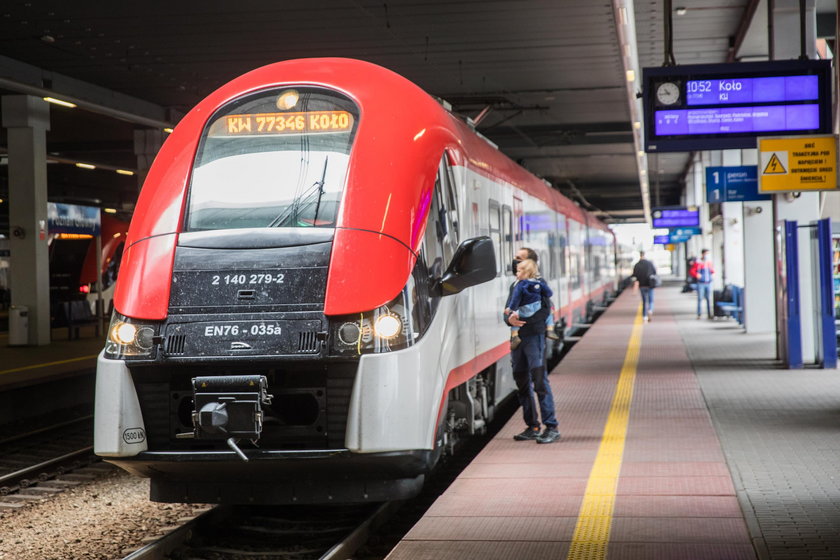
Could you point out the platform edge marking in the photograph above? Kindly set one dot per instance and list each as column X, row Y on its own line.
column 592, row 531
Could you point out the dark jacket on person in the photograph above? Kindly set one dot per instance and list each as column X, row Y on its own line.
column 535, row 324
column 642, row 272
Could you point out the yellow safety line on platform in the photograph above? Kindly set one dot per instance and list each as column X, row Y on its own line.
column 592, row 532
column 48, row 364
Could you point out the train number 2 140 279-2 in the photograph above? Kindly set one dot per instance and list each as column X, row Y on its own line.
column 249, row 278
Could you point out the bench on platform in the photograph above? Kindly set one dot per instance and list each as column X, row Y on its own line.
column 734, row 308
column 77, row 314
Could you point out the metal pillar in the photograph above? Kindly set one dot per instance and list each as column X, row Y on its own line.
column 733, row 231
column 803, row 208
column 27, row 120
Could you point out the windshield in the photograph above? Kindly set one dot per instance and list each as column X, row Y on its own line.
column 273, row 159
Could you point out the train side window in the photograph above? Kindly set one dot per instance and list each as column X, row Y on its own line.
column 507, row 240
column 496, row 234
column 553, row 271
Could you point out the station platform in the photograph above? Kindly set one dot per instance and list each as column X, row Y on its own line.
column 27, row 365
column 682, row 438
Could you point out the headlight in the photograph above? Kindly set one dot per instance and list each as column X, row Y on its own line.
column 130, row 338
column 384, row 329
column 387, row 326
column 394, row 326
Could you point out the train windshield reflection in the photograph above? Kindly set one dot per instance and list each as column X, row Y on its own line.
column 249, row 175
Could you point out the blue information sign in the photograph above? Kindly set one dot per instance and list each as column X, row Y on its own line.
column 689, row 231
column 733, row 184
column 675, row 217
column 669, row 239
column 71, row 218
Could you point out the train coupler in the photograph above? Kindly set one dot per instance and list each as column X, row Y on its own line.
column 229, row 407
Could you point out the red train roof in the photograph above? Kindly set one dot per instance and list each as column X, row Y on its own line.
column 401, row 136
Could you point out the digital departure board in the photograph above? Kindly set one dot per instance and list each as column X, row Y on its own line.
column 268, row 124
column 724, row 106
column 675, row 217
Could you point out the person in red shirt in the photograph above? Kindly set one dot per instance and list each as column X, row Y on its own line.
column 702, row 271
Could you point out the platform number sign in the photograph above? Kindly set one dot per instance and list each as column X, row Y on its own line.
column 732, row 184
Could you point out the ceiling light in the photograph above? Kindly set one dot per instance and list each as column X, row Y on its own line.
column 110, row 210
column 637, row 125
column 643, row 172
column 167, row 130
column 680, row 11
column 631, row 75
column 85, row 166
column 55, row 101
column 622, row 15
column 641, row 153
column 124, row 172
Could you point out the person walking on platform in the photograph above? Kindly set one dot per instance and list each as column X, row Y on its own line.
column 702, row 271
column 530, row 374
column 644, row 274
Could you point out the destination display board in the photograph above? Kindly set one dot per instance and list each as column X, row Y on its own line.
column 272, row 124
column 674, row 217
column 725, row 106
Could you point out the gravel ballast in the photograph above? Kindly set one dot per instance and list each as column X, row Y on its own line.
column 98, row 520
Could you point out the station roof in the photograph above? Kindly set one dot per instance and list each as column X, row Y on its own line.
column 547, row 77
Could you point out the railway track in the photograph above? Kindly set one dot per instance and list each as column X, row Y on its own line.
column 29, row 459
column 282, row 533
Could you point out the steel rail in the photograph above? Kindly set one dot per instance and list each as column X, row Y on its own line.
column 7, row 481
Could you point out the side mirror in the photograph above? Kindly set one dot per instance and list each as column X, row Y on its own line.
column 474, row 263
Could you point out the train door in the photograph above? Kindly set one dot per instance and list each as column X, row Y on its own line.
column 560, row 261
column 444, row 237
column 575, row 261
column 586, row 244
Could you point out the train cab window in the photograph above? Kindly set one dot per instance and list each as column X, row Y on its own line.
column 451, row 189
column 435, row 244
column 445, row 213
column 496, row 234
column 276, row 158
column 507, row 240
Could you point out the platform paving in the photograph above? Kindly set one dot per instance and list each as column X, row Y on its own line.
column 727, row 454
column 27, row 365
column 779, row 430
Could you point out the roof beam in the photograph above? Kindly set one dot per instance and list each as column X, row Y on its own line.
column 24, row 78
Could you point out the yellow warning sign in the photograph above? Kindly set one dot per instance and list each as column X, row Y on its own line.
column 797, row 164
column 774, row 166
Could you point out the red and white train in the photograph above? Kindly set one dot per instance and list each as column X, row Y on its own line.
column 309, row 305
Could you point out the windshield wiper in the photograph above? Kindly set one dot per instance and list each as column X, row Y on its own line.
column 290, row 213
column 320, row 190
